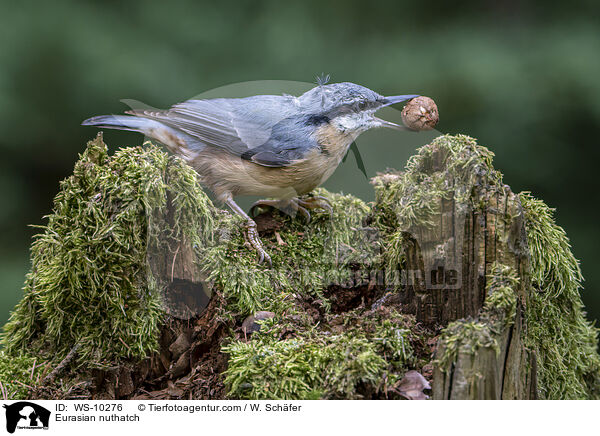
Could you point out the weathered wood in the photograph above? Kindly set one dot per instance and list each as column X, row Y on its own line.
column 173, row 264
column 454, row 255
column 477, row 224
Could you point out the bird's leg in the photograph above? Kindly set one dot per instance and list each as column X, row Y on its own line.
column 316, row 202
column 251, row 232
column 289, row 206
column 295, row 205
column 275, row 204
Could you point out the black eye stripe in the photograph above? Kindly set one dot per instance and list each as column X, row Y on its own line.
column 317, row 120
column 366, row 104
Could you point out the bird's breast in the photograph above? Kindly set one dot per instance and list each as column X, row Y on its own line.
column 224, row 172
column 332, row 141
column 319, row 164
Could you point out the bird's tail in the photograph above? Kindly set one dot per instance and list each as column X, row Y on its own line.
column 175, row 140
column 124, row 122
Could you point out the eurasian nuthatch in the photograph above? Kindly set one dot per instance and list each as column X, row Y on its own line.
column 266, row 145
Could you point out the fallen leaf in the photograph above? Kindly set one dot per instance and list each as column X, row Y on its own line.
column 250, row 325
column 412, row 385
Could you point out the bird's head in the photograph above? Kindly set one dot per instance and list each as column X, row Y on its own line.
column 348, row 107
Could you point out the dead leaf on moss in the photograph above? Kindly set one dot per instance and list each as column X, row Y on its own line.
column 412, row 386
column 250, row 325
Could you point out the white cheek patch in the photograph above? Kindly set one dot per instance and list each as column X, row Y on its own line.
column 346, row 123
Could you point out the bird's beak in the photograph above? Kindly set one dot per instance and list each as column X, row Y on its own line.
column 384, row 123
column 387, row 101
column 397, row 99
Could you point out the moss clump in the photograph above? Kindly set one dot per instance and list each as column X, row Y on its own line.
column 501, row 295
column 92, row 282
column 92, row 285
column 565, row 343
column 301, row 368
column 308, row 257
column 89, row 282
column 17, row 374
column 410, row 198
column 370, row 353
column 465, row 337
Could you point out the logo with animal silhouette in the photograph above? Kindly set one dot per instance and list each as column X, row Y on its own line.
column 26, row 415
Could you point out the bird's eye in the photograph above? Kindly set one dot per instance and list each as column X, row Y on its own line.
column 363, row 105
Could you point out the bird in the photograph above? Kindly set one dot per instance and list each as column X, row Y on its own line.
column 276, row 146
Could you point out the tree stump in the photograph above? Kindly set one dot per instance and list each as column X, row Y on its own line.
column 451, row 257
column 448, row 279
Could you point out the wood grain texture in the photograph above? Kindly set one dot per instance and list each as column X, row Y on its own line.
column 478, row 222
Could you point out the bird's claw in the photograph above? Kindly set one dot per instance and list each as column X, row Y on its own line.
column 304, row 212
column 296, row 205
column 253, row 239
column 316, row 202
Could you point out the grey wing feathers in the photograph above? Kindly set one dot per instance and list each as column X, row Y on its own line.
column 250, row 127
column 289, row 142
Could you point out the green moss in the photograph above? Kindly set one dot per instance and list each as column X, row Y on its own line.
column 468, row 336
column 501, row 298
column 91, row 284
column 446, row 167
column 392, row 340
column 319, row 362
column 565, row 343
column 311, row 258
column 17, row 374
column 89, row 278
column 464, row 336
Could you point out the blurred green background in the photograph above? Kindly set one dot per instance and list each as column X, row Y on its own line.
column 523, row 78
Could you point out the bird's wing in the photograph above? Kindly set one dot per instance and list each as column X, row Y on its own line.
column 261, row 129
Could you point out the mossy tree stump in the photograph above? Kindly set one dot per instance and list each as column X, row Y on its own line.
column 461, row 237
column 451, row 255
column 448, row 273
